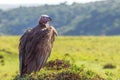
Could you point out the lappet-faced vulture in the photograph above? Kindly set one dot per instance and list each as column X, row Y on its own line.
column 35, row 46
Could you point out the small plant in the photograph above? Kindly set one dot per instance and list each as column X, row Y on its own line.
column 1, row 57
column 2, row 60
column 109, row 75
column 23, row 78
column 90, row 74
column 75, row 68
column 109, row 66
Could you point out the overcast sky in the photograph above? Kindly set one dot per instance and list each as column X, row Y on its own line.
column 42, row 1
column 10, row 4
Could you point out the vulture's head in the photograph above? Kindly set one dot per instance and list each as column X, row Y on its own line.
column 44, row 19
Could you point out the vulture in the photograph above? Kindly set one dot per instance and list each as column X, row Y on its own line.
column 35, row 46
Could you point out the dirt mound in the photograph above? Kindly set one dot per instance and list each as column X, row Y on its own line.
column 61, row 70
column 68, row 75
column 57, row 64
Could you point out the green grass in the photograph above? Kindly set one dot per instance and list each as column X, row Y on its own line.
column 92, row 52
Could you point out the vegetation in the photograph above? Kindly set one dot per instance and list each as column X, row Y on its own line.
column 98, row 18
column 82, row 57
column 56, row 73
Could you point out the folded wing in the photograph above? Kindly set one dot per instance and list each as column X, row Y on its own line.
column 35, row 48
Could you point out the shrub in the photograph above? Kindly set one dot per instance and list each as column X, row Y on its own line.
column 1, row 57
column 109, row 66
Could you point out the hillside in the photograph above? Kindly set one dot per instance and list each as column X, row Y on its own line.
column 96, row 18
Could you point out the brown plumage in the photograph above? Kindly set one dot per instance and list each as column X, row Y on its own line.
column 35, row 48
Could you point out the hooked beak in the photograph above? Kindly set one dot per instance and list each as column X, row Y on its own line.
column 49, row 19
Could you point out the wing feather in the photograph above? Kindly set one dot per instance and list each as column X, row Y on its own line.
column 22, row 51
